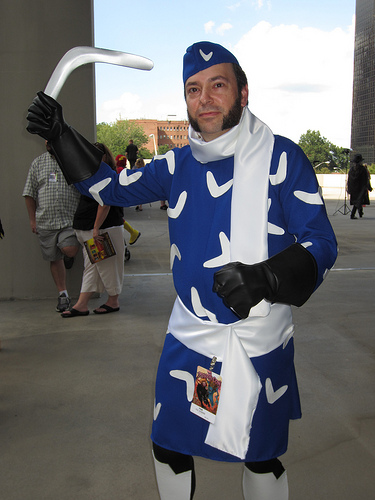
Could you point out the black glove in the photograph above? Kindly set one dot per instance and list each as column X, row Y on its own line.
column 243, row 286
column 288, row 277
column 45, row 117
column 77, row 157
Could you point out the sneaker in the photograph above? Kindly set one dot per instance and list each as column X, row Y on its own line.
column 164, row 207
column 63, row 303
column 127, row 254
column 68, row 262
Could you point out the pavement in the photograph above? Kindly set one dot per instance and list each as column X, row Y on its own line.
column 76, row 395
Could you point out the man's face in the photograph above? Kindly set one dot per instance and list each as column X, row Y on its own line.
column 212, row 99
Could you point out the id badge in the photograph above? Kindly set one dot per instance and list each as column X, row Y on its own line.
column 206, row 394
column 53, row 177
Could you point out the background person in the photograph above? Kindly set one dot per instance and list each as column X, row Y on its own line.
column 131, row 153
column 358, row 186
column 140, row 163
column 120, row 161
column 51, row 204
column 90, row 221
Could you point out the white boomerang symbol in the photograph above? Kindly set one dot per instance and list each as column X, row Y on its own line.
column 78, row 56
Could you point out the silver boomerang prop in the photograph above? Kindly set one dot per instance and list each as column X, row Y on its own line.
column 78, row 56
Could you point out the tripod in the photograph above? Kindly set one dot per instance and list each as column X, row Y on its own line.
column 345, row 209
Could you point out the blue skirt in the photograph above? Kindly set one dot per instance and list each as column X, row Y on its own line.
column 176, row 428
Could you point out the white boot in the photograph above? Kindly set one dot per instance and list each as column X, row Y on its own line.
column 172, row 486
column 264, row 486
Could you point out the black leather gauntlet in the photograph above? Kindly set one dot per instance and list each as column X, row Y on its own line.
column 288, row 277
column 76, row 156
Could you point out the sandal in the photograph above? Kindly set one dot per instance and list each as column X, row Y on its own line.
column 72, row 313
column 107, row 309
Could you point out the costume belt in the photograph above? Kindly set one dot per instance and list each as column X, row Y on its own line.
column 233, row 345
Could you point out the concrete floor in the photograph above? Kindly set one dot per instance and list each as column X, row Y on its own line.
column 76, row 396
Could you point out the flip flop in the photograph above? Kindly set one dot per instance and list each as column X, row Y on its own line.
column 108, row 309
column 73, row 313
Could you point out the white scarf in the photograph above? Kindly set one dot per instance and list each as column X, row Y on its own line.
column 251, row 142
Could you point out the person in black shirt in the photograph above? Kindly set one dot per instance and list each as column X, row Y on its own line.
column 131, row 153
column 90, row 221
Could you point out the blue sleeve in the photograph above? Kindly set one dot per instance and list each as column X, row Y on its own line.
column 297, row 207
column 130, row 187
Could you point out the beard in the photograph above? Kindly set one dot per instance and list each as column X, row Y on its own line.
column 230, row 120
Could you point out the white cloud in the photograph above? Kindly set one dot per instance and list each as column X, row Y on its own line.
column 259, row 4
column 132, row 106
column 223, row 28
column 115, row 109
column 208, row 27
column 300, row 78
column 234, row 6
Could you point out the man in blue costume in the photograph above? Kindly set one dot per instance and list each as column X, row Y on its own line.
column 265, row 244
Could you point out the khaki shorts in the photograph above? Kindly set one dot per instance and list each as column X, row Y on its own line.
column 51, row 242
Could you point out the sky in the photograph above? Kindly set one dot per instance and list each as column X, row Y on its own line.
column 297, row 55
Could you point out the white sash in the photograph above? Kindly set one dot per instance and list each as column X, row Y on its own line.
column 251, row 142
column 233, row 345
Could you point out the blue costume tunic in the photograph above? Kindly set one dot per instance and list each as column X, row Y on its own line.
column 198, row 212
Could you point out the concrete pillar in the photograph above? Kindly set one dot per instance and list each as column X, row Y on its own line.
column 34, row 36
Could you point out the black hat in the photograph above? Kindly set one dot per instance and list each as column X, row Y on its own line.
column 357, row 158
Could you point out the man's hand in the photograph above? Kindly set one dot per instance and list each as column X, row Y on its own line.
column 31, row 210
column 243, row 286
column 77, row 157
column 288, row 277
column 33, row 227
column 45, row 117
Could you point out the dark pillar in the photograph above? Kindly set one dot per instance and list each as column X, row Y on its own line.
column 34, row 36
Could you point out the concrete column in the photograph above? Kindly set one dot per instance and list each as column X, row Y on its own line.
column 34, row 36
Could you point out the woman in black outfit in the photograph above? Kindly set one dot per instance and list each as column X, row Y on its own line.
column 90, row 221
column 358, row 186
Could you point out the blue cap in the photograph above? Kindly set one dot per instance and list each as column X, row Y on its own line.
column 203, row 55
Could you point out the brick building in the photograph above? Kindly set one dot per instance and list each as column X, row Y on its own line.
column 173, row 133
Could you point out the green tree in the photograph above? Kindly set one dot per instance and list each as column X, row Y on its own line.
column 116, row 135
column 340, row 158
column 315, row 147
column 323, row 154
column 145, row 153
column 164, row 149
